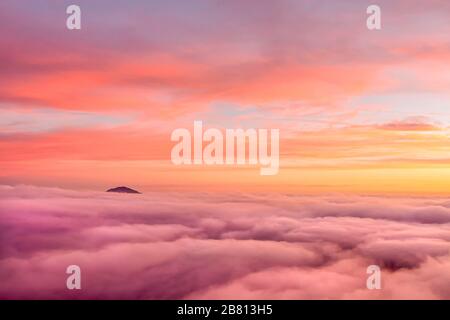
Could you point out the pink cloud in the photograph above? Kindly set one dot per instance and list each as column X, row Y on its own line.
column 179, row 245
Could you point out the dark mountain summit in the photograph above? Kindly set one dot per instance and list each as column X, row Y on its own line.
column 122, row 190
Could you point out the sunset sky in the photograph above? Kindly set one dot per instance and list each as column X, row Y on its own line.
column 364, row 124
column 359, row 111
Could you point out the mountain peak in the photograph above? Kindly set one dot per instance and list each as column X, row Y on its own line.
column 122, row 190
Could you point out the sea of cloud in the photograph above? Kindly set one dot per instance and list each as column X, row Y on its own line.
column 221, row 246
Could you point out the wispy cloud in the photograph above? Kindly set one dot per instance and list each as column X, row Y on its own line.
column 44, row 120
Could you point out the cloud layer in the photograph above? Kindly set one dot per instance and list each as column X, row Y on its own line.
column 236, row 246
